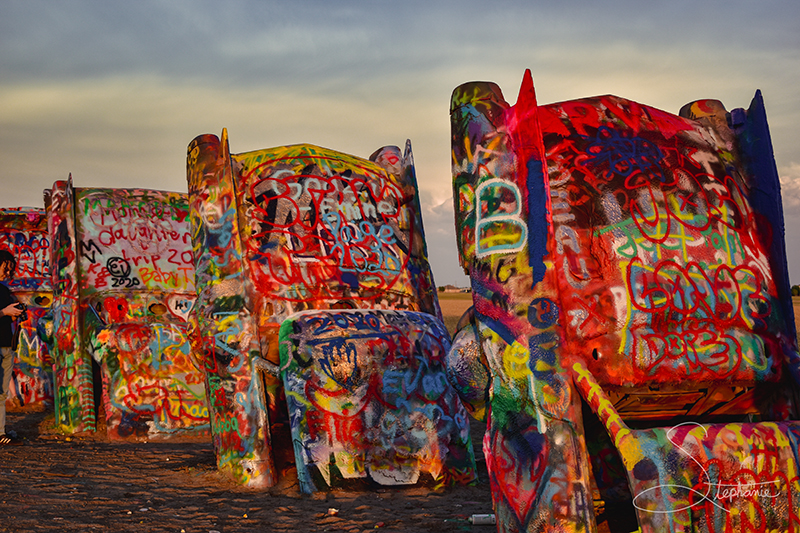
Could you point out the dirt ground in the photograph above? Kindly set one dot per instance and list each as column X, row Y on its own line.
column 54, row 482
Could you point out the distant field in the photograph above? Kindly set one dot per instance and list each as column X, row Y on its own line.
column 462, row 296
column 453, row 305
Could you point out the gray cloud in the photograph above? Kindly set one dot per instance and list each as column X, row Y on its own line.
column 114, row 92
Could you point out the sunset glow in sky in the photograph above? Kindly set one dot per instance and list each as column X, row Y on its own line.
column 113, row 92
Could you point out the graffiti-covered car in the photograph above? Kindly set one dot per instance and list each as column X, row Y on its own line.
column 123, row 279
column 23, row 232
column 628, row 273
column 320, row 323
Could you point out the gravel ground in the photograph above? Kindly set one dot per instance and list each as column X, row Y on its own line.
column 84, row 483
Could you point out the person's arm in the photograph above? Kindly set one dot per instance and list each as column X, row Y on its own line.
column 11, row 310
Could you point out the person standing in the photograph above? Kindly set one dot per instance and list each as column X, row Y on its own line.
column 9, row 310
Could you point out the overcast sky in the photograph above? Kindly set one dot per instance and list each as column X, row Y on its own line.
column 113, row 92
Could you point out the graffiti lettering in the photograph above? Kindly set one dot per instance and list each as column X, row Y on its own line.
column 362, row 247
column 499, row 225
